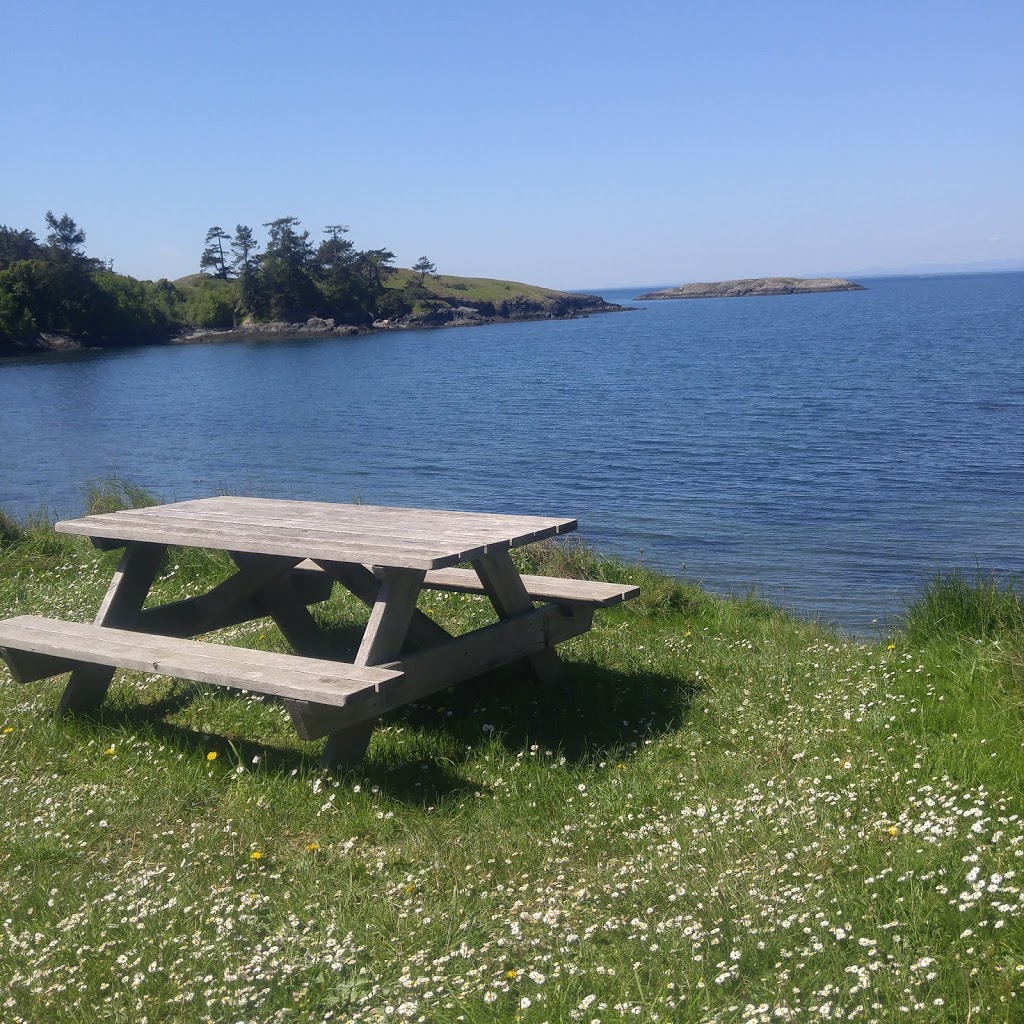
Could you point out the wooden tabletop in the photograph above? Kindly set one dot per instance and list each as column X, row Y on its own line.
column 408, row 538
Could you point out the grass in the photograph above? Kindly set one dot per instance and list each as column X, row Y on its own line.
column 471, row 289
column 727, row 815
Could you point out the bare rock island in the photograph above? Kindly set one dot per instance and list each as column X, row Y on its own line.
column 755, row 286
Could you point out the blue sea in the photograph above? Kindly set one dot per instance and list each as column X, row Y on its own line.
column 832, row 451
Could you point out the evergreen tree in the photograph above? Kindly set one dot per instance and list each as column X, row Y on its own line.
column 423, row 267
column 65, row 239
column 245, row 263
column 335, row 275
column 285, row 280
column 374, row 266
column 16, row 246
column 214, row 259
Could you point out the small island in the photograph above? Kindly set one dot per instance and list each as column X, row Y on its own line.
column 755, row 286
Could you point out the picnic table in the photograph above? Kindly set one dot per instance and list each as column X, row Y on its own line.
column 288, row 555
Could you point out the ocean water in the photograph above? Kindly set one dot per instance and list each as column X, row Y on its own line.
column 832, row 450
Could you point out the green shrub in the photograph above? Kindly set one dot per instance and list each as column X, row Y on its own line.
column 211, row 304
column 392, row 304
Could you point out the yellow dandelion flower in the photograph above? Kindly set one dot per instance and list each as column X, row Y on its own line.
column 212, row 755
column 312, row 847
column 512, row 974
column 109, row 750
column 893, row 830
column 256, row 855
column 410, row 888
column 8, row 730
column 891, row 647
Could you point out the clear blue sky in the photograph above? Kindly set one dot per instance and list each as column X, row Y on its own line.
column 567, row 144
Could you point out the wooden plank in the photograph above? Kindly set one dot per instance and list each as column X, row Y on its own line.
column 267, row 541
column 365, row 516
column 504, row 586
column 314, row 721
column 361, row 582
column 426, row 672
column 224, row 605
column 375, row 521
column 194, row 616
column 416, row 538
column 559, row 589
column 129, row 588
column 287, row 675
column 27, row 667
column 124, row 599
column 385, row 634
column 347, row 741
column 540, row 588
column 390, row 617
column 283, row 601
column 188, row 618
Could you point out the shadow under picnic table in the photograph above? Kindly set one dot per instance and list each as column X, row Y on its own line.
column 595, row 714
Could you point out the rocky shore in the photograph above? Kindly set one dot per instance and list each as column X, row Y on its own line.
column 755, row 286
column 511, row 310
column 516, row 308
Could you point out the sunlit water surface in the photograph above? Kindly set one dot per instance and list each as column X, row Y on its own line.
column 832, row 449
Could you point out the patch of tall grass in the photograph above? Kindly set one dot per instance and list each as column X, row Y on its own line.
column 114, row 494
column 957, row 606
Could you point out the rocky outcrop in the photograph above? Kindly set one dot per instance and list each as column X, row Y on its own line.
column 314, row 327
column 755, row 286
column 515, row 308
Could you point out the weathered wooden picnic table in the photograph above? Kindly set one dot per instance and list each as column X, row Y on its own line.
column 289, row 555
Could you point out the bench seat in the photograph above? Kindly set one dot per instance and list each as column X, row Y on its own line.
column 592, row 593
column 36, row 647
column 556, row 589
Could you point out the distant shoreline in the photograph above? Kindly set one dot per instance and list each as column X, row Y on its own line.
column 754, row 286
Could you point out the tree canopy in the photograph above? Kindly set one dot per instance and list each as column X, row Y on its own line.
column 53, row 286
column 424, row 267
column 295, row 278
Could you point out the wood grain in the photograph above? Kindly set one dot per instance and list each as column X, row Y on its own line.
column 367, row 534
column 285, row 675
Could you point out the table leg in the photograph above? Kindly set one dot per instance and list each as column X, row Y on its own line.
column 361, row 582
column 507, row 592
column 282, row 601
column 120, row 609
column 303, row 634
column 382, row 641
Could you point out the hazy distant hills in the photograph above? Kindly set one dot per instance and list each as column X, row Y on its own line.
column 977, row 267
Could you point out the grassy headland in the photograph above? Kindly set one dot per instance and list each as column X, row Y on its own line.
column 53, row 297
column 472, row 289
column 727, row 815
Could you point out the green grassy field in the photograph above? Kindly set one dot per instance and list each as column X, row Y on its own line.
column 471, row 289
column 726, row 815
